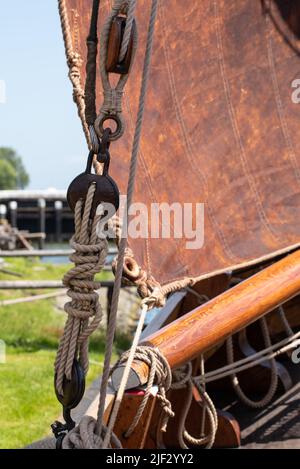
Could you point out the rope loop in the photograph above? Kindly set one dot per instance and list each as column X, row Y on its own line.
column 160, row 375
column 184, row 379
column 274, row 376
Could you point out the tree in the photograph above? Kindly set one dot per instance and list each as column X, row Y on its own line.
column 8, row 175
column 13, row 174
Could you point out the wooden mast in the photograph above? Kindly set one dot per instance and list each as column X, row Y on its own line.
column 211, row 323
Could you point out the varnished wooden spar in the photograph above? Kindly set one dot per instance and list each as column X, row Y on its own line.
column 211, row 323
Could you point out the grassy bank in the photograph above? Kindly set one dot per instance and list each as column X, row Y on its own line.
column 31, row 331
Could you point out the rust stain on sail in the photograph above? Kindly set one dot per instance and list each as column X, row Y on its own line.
column 220, row 127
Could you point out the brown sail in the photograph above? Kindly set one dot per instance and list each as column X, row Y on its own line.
column 221, row 128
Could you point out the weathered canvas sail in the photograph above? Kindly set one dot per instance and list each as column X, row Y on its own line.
column 220, row 127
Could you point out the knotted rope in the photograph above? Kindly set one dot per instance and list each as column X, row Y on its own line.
column 84, row 436
column 84, row 310
column 159, row 374
column 74, row 62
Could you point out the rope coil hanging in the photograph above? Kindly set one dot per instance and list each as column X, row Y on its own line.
column 84, row 310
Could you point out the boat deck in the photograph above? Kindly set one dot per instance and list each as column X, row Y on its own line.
column 275, row 426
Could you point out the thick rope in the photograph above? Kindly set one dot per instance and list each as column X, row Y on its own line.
column 84, row 436
column 74, row 62
column 84, row 310
column 159, row 374
column 208, row 405
column 123, row 242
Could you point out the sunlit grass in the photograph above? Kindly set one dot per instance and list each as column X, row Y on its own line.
column 31, row 332
column 28, row 404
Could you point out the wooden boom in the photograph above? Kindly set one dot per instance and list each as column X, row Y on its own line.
column 211, row 323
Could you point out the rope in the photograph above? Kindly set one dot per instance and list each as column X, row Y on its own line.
column 84, row 436
column 202, row 372
column 90, row 433
column 84, row 311
column 124, row 379
column 160, row 374
column 112, row 97
column 289, row 331
column 74, row 62
column 128, row 29
column 274, row 377
column 123, row 242
column 182, row 378
column 253, row 360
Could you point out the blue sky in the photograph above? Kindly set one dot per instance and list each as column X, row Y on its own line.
column 38, row 119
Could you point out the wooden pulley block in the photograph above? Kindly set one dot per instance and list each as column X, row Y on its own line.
column 106, row 192
column 113, row 65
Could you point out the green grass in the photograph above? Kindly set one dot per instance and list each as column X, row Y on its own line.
column 31, row 332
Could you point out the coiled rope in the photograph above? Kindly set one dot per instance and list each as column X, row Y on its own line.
column 84, row 310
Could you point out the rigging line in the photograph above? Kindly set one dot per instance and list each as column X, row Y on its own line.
column 94, row 21
column 91, row 76
column 237, row 369
column 261, row 356
column 130, row 188
column 128, row 29
column 122, row 387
